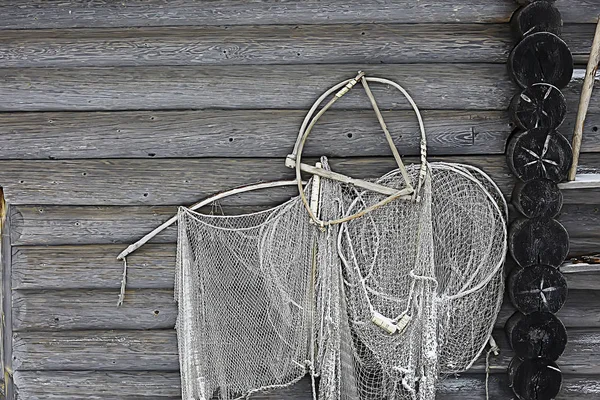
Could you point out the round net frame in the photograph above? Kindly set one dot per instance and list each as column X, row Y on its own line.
column 377, row 287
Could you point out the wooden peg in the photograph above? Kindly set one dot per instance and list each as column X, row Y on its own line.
column 584, row 101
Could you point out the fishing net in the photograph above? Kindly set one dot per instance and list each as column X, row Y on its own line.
column 378, row 288
column 245, row 290
column 431, row 271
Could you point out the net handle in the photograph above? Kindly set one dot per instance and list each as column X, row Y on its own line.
column 294, row 160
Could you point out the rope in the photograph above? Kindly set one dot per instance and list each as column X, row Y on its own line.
column 123, row 283
column 493, row 349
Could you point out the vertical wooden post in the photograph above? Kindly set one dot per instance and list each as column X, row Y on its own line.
column 6, row 295
column 584, row 102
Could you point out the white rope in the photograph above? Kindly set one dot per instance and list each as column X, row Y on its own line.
column 493, row 349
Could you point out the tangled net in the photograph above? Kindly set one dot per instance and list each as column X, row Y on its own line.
column 380, row 304
column 266, row 298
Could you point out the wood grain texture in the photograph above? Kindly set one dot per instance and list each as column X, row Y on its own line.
column 63, row 310
column 58, row 14
column 62, row 225
column 157, row 351
column 257, row 133
column 433, row 86
column 244, row 133
column 273, row 44
column 152, row 267
column 448, row 86
column 185, row 181
column 93, row 267
column 155, row 385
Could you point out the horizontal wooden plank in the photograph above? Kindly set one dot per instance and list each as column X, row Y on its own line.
column 59, row 14
column 165, row 385
column 157, row 351
column 62, row 225
column 93, row 267
column 434, row 86
column 98, row 350
column 88, row 385
column 156, row 309
column 256, row 133
column 152, row 267
column 274, row 44
column 181, row 181
column 246, row 133
column 472, row 387
column 185, row 181
column 95, row 385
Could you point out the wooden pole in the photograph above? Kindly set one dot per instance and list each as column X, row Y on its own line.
column 584, row 102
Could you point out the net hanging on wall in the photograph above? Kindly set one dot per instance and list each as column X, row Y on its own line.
column 377, row 287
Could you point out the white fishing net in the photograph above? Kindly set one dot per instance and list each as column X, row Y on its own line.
column 245, row 290
column 432, row 271
column 381, row 303
column 265, row 298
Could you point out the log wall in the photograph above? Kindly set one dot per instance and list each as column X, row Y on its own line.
column 114, row 113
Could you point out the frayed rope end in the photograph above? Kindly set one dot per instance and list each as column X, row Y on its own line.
column 123, row 283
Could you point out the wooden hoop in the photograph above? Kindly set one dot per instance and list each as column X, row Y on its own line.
column 294, row 159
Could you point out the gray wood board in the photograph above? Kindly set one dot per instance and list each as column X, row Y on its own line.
column 62, row 225
column 59, row 14
column 433, row 86
column 252, row 133
column 151, row 267
column 156, row 309
column 257, row 133
column 163, row 385
column 157, row 350
column 186, row 181
column 274, row 44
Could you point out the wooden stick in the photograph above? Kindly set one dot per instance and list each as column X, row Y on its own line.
column 200, row 204
column 375, row 187
column 584, row 102
column 388, row 136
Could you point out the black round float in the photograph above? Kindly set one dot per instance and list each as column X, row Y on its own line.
column 541, row 57
column 537, row 198
column 539, row 153
column 540, row 105
column 539, row 16
column 537, row 288
column 534, row 379
column 539, row 334
column 538, row 241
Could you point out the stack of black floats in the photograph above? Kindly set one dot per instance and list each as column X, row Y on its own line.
column 540, row 157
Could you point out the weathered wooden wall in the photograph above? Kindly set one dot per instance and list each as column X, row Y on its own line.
column 113, row 113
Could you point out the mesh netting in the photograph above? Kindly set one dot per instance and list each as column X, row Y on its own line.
column 378, row 307
column 245, row 293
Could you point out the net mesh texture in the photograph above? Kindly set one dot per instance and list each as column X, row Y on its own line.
column 380, row 307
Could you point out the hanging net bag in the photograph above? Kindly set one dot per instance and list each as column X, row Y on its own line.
column 244, row 286
column 422, row 279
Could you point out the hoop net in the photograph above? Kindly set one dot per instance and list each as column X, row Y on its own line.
column 268, row 297
column 378, row 297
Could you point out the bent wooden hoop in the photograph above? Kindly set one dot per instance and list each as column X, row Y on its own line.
column 294, row 160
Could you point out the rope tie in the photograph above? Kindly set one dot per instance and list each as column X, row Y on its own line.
column 493, row 349
column 123, row 283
